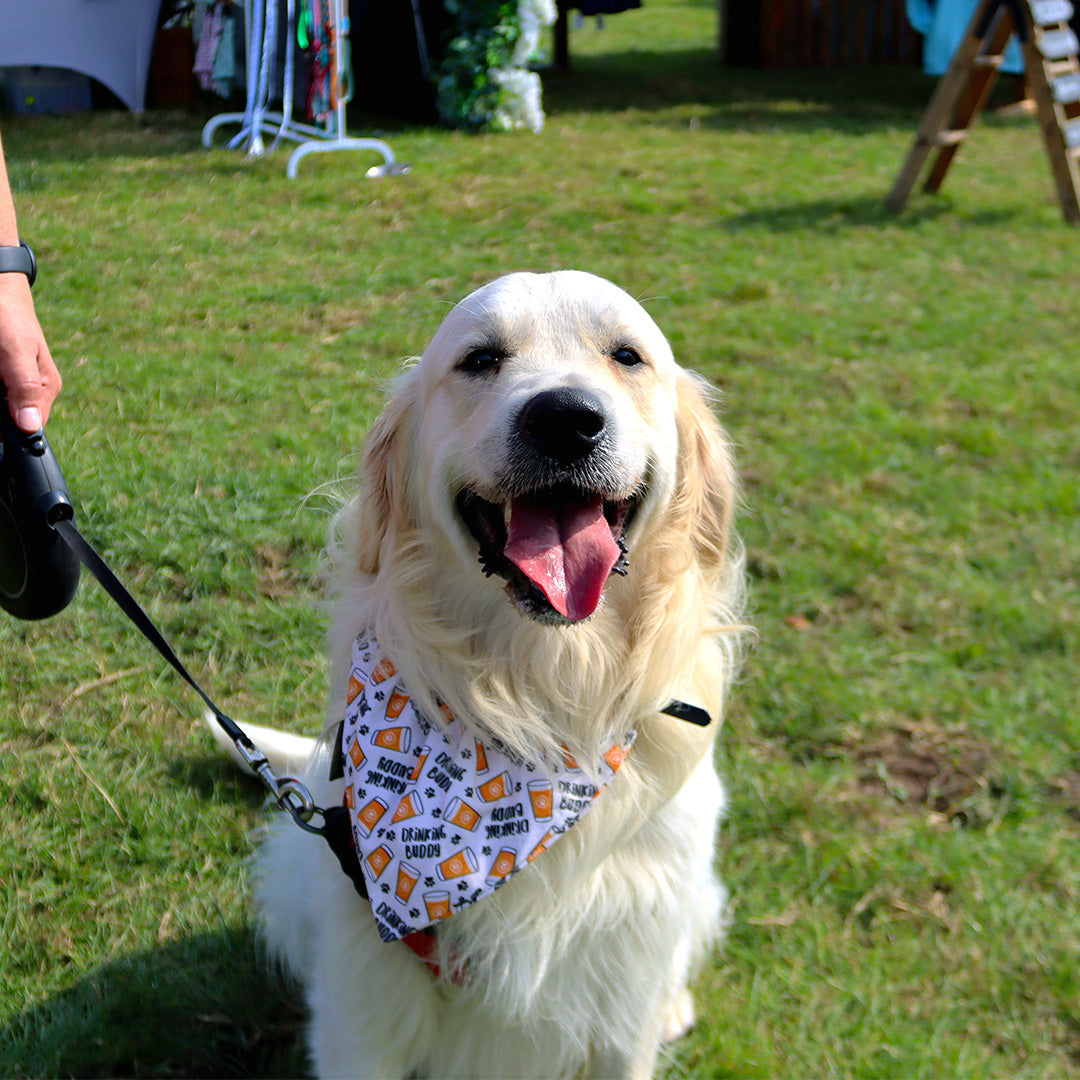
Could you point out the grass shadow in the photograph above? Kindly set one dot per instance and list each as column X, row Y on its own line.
column 216, row 778
column 832, row 216
column 103, row 133
column 850, row 99
column 201, row 1006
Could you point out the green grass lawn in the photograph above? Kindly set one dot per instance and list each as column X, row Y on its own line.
column 903, row 752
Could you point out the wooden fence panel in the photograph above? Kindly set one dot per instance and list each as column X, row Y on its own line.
column 816, row 33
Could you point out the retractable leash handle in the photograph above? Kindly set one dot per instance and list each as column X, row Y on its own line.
column 39, row 575
column 41, row 550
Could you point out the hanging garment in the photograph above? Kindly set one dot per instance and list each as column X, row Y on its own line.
column 942, row 24
column 209, row 38
column 223, row 73
column 317, row 45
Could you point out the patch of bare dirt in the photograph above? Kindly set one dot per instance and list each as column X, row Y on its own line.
column 950, row 772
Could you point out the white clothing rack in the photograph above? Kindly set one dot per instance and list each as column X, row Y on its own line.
column 256, row 121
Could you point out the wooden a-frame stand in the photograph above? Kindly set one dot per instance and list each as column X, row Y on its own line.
column 1050, row 51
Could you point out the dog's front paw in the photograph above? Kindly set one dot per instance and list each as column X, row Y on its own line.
column 680, row 1017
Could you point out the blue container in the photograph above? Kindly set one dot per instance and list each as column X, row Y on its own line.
column 37, row 90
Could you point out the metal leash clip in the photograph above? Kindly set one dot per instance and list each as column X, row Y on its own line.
column 288, row 792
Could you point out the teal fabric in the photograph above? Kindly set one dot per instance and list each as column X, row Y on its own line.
column 942, row 23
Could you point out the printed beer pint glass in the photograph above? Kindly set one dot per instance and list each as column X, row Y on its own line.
column 540, row 795
column 540, row 848
column 437, row 903
column 392, row 738
column 355, row 686
column 615, row 757
column 458, row 865
column 481, row 758
column 498, row 787
column 383, row 670
column 407, row 877
column 502, row 867
column 419, row 766
column 356, row 753
column 396, row 705
column 461, row 814
column 410, row 806
column 378, row 861
column 370, row 816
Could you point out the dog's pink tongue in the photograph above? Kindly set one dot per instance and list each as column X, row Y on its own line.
column 567, row 551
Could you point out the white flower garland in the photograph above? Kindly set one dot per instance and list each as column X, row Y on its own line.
column 522, row 105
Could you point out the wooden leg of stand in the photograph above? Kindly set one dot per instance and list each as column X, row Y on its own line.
column 562, row 39
column 956, row 99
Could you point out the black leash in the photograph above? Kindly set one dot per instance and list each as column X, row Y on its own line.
column 288, row 792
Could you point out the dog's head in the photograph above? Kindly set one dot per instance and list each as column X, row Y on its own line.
column 544, row 437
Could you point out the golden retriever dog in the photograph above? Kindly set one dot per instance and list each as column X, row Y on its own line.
column 538, row 564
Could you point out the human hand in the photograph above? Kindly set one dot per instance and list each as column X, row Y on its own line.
column 26, row 365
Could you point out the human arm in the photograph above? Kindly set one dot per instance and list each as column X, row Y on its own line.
column 26, row 365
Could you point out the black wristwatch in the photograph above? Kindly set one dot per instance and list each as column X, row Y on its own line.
column 18, row 260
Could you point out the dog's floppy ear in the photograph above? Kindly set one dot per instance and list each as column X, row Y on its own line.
column 705, row 499
column 382, row 505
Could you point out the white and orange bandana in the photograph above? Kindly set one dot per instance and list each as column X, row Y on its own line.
column 439, row 818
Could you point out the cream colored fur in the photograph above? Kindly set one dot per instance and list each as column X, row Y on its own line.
column 580, row 963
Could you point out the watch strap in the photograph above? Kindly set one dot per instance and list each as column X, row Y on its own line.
column 18, row 260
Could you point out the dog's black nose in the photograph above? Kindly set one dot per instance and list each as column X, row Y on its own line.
column 564, row 425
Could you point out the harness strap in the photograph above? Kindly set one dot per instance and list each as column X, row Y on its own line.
column 692, row 714
column 337, row 832
column 425, row 944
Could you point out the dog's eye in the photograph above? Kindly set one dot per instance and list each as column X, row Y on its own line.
column 626, row 356
column 479, row 361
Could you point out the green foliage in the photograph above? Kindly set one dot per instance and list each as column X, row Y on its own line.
column 483, row 39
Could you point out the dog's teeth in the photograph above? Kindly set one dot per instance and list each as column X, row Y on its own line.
column 506, row 514
column 622, row 565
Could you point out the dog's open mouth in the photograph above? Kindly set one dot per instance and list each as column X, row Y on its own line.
column 556, row 547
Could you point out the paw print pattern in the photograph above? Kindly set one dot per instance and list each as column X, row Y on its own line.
column 442, row 815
